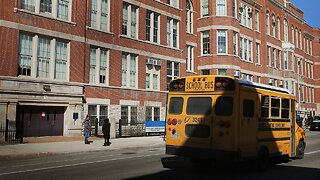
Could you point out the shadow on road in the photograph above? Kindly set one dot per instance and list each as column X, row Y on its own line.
column 186, row 170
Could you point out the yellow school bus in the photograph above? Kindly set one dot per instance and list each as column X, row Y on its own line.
column 211, row 117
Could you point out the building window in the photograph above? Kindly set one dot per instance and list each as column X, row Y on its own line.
column 99, row 59
column 269, row 55
column 173, row 71
column 60, row 9
column 235, row 43
column 285, row 60
column 300, row 40
column 234, row 8
column 273, row 26
column 43, row 58
column 129, row 20
column 257, row 22
column 174, row 3
column 47, row 65
column 222, row 72
column 258, row 53
column 189, row 17
column 153, row 75
column 204, row 8
column 205, row 71
column 100, row 10
column 205, row 42
column 292, row 34
column 190, row 58
column 222, row 42
column 172, row 33
column 245, row 49
column 129, row 115
column 152, row 27
column 25, row 55
column 268, row 23
column 221, row 8
column 278, row 28
column 129, row 70
column 152, row 113
column 99, row 112
column 286, row 30
column 61, row 60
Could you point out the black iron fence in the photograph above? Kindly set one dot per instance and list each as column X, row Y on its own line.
column 124, row 129
column 9, row 133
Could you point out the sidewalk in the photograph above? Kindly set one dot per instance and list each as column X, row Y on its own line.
column 50, row 146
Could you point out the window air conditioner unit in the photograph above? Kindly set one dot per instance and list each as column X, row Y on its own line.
column 270, row 81
column 236, row 74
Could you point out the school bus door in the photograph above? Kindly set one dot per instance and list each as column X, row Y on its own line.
column 248, row 122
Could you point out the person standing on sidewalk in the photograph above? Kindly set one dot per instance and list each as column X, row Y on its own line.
column 106, row 132
column 87, row 129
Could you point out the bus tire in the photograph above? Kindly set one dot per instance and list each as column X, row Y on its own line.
column 263, row 159
column 300, row 150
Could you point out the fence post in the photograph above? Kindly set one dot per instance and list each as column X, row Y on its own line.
column 120, row 128
column 96, row 127
column 21, row 131
column 6, row 131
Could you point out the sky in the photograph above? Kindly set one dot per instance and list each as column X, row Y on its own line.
column 311, row 9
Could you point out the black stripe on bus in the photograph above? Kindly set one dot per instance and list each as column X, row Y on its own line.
column 274, row 129
column 273, row 120
column 274, row 139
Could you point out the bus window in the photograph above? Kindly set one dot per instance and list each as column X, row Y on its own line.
column 248, row 108
column 275, row 106
column 285, row 108
column 265, row 106
column 199, row 106
column 224, row 106
column 175, row 106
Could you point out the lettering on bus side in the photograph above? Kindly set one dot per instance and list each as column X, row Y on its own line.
column 200, row 85
column 190, row 119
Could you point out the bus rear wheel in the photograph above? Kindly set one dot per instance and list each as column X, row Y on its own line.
column 300, row 149
column 263, row 159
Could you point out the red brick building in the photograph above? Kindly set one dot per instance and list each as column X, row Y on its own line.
column 63, row 59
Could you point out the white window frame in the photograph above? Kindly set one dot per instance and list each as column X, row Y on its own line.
column 97, row 67
column 99, row 14
column 190, row 59
column 189, row 18
column 154, row 17
column 126, row 81
column 171, row 72
column 258, row 53
column 204, row 4
column 257, row 21
column 34, row 6
column 221, row 8
column 268, row 23
column 205, row 34
column 286, row 31
column 153, row 113
column 235, row 43
column 171, row 35
column 132, row 22
column 222, row 34
column 285, row 60
column 33, row 57
column 152, row 71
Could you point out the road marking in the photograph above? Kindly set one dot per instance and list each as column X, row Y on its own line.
column 76, row 164
column 313, row 152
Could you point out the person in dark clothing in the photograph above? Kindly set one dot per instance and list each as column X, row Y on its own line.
column 87, row 129
column 106, row 132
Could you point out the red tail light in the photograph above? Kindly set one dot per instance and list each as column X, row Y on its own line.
column 174, row 121
column 169, row 121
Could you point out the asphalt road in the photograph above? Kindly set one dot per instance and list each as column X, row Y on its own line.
column 145, row 163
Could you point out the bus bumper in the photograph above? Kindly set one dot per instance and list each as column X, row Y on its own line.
column 202, row 153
